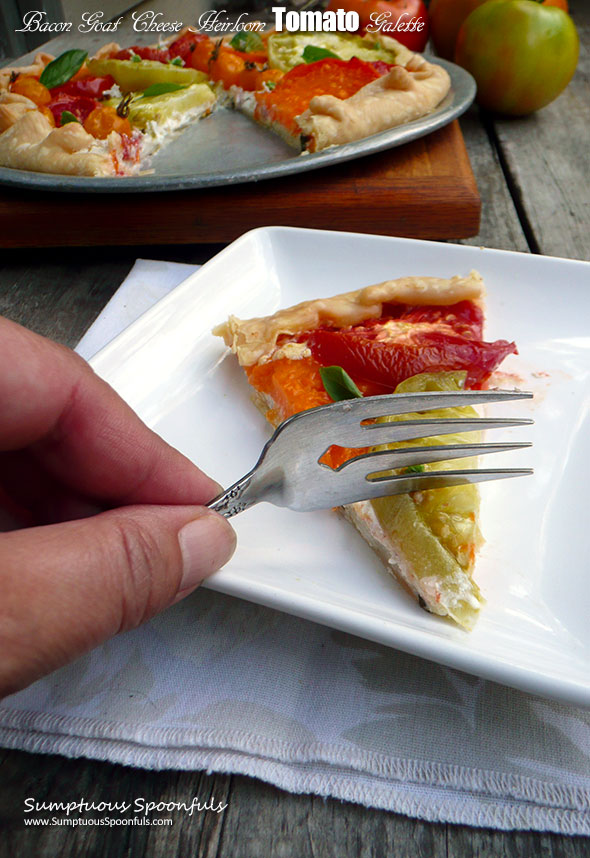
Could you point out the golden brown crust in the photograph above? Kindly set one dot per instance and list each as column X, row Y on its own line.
column 34, row 69
column 402, row 95
column 32, row 144
column 12, row 108
column 254, row 340
column 107, row 50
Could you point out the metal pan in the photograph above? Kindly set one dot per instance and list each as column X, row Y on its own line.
column 227, row 148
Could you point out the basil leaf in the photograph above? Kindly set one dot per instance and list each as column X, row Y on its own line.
column 269, row 85
column 311, row 54
column 177, row 61
column 414, row 469
column 338, row 384
column 135, row 58
column 66, row 117
column 247, row 42
column 161, row 89
column 61, row 69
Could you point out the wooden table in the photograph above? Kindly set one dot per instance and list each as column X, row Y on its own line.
column 532, row 176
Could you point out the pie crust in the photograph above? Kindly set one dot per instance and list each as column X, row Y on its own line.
column 31, row 143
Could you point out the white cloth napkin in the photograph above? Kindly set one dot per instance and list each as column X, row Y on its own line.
column 218, row 683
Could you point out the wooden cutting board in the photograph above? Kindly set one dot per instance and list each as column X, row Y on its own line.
column 425, row 189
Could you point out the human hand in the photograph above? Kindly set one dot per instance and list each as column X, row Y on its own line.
column 103, row 524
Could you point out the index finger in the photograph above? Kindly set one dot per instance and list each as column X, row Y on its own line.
column 82, row 432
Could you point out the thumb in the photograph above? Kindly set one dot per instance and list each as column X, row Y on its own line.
column 68, row 587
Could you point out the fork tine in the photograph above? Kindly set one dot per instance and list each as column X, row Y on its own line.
column 362, row 489
column 372, row 407
column 384, row 460
column 406, row 430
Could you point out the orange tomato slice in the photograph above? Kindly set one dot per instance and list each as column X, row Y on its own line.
column 292, row 94
column 294, row 386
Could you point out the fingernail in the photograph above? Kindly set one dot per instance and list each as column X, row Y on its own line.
column 207, row 543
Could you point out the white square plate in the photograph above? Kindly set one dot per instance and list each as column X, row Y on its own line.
column 534, row 632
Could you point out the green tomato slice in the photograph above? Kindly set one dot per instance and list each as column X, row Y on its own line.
column 285, row 50
column 161, row 108
column 438, row 528
column 134, row 76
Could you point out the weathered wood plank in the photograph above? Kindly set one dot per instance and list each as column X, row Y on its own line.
column 547, row 158
column 466, row 842
column 262, row 820
column 500, row 226
column 59, row 293
column 53, row 778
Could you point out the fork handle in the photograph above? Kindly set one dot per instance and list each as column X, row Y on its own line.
column 235, row 499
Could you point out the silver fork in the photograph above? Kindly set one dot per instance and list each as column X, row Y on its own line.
column 288, row 472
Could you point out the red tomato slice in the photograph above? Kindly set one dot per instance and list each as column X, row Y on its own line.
column 382, row 67
column 185, row 45
column 417, row 339
column 161, row 55
column 80, row 105
column 91, row 86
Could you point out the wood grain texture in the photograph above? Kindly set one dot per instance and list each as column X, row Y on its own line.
column 425, row 189
column 500, row 226
column 59, row 293
column 546, row 158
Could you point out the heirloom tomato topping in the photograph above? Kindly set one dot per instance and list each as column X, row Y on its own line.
column 184, row 46
column 30, row 87
column 200, row 57
column 105, row 119
column 414, row 340
column 161, row 55
column 226, row 66
column 89, row 85
column 378, row 355
column 254, row 56
column 80, row 106
column 291, row 96
column 294, row 386
column 269, row 78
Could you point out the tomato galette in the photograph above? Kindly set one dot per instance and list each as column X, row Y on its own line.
column 408, row 335
column 106, row 115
